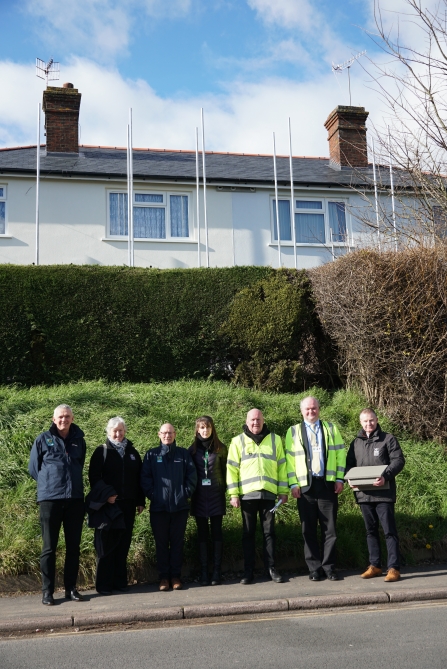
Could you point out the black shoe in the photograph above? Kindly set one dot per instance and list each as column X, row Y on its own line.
column 247, row 578
column 74, row 595
column 331, row 576
column 314, row 576
column 105, row 593
column 47, row 598
column 275, row 576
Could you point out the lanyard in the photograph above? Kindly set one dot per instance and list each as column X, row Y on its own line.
column 205, row 457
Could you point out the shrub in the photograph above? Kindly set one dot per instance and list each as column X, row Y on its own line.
column 276, row 342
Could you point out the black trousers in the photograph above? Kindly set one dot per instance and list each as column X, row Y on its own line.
column 203, row 528
column 383, row 512
column 319, row 505
column 111, row 568
column 54, row 514
column 169, row 534
column 250, row 509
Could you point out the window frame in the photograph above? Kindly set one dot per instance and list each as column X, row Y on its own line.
column 4, row 198
column 166, row 205
column 324, row 211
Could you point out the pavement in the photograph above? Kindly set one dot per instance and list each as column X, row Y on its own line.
column 144, row 603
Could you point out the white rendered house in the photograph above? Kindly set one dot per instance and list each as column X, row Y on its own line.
column 83, row 208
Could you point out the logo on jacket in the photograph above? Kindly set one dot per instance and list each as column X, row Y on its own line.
column 376, row 452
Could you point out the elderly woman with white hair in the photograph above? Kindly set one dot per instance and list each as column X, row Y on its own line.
column 117, row 464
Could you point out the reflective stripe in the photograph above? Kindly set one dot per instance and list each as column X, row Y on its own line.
column 296, row 454
column 290, row 475
column 255, row 479
column 259, row 455
column 232, row 485
column 282, row 484
column 341, row 469
column 232, row 462
column 336, row 447
column 330, row 472
column 302, row 478
column 282, row 461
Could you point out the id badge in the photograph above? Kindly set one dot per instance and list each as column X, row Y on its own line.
column 206, row 481
column 159, row 458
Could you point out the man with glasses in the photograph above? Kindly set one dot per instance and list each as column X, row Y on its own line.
column 316, row 460
column 168, row 479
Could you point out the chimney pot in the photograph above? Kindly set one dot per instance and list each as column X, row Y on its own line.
column 347, row 137
column 67, row 85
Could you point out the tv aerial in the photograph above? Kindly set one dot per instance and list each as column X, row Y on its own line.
column 347, row 66
column 48, row 71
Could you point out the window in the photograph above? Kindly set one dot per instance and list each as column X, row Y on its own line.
column 2, row 210
column 316, row 221
column 439, row 221
column 155, row 215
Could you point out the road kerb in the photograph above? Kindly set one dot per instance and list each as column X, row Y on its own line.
column 138, row 615
column 235, row 608
column 36, row 624
column 330, row 601
column 416, row 595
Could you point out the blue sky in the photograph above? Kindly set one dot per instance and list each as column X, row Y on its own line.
column 250, row 63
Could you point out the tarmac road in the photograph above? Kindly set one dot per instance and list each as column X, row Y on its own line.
column 401, row 637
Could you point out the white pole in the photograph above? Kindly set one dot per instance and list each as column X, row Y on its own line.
column 204, row 192
column 375, row 193
column 198, row 199
column 132, row 257
column 37, row 183
column 129, row 200
column 292, row 198
column 276, row 200
column 392, row 190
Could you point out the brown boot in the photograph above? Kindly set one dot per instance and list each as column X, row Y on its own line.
column 372, row 571
column 176, row 583
column 164, row 585
column 393, row 575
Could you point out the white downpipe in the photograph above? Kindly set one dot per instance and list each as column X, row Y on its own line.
column 392, row 190
column 207, row 252
column 131, row 235
column 37, row 183
column 276, row 200
column 376, row 199
column 292, row 198
column 128, row 198
column 199, row 263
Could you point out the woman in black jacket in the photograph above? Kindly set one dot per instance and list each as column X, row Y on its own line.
column 208, row 501
column 117, row 464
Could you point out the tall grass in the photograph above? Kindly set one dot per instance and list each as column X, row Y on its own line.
column 26, row 412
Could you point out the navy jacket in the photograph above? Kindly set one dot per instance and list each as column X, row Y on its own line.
column 168, row 478
column 210, row 500
column 56, row 464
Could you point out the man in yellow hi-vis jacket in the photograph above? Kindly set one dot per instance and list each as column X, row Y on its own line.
column 256, row 475
column 316, row 461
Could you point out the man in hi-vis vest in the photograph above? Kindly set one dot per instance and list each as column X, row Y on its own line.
column 256, row 475
column 316, row 461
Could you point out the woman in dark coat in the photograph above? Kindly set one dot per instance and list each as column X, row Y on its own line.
column 117, row 464
column 208, row 501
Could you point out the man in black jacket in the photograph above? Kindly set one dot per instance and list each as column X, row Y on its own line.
column 374, row 447
column 168, row 479
column 56, row 463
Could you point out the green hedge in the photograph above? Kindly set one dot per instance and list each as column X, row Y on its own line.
column 62, row 323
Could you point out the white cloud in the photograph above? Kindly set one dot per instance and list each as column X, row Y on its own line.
column 300, row 14
column 241, row 119
column 99, row 28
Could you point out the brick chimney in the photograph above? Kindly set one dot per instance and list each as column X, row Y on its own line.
column 61, row 107
column 347, row 137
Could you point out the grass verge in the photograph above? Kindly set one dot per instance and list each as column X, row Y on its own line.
column 421, row 507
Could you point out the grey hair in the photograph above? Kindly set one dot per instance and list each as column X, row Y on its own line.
column 367, row 410
column 309, row 397
column 114, row 422
column 63, row 406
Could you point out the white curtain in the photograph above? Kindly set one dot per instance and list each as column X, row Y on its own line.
column 179, row 215
column 2, row 218
column 337, row 221
column 118, row 213
column 149, row 222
